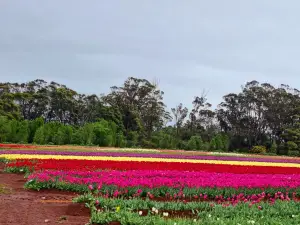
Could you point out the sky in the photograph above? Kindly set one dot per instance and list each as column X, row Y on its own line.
column 186, row 45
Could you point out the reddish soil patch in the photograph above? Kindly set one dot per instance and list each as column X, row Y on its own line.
column 24, row 207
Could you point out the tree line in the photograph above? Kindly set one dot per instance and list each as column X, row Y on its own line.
column 260, row 118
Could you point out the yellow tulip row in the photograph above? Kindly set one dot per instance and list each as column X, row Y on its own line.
column 144, row 159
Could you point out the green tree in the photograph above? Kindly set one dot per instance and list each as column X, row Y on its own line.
column 140, row 103
column 33, row 126
column 77, row 137
column 87, row 134
column 120, row 140
column 39, row 137
column 180, row 114
column 5, row 129
column 195, row 143
column 273, row 148
column 22, row 133
column 103, row 133
column 219, row 142
column 8, row 108
column 132, row 139
column 12, row 137
column 213, row 144
column 63, row 135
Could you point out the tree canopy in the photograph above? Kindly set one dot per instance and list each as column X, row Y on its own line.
column 135, row 114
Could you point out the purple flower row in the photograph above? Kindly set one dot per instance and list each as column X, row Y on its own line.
column 151, row 155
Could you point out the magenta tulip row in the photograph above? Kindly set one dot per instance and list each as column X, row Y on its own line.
column 174, row 179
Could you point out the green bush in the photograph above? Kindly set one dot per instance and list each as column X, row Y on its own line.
column 195, row 143
column 87, row 134
column 219, row 142
column 22, row 132
column 183, row 145
column 205, row 146
column 273, row 148
column 76, row 138
column 163, row 140
column 294, row 153
column 33, row 126
column 120, row 140
column 102, row 134
column 226, row 142
column 291, row 146
column 148, row 144
column 282, row 149
column 258, row 149
column 242, row 150
column 192, row 144
column 212, row 145
column 5, row 129
column 39, row 137
column 132, row 139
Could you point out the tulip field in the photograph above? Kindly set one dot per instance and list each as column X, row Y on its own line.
column 142, row 186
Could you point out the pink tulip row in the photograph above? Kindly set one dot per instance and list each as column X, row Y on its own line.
column 233, row 200
column 174, row 179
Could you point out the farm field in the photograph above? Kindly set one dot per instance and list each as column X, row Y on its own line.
column 79, row 185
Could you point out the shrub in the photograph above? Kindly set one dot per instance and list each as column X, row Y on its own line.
column 273, row 148
column 258, row 149
column 39, row 137
column 282, row 149
column 102, row 134
column 132, row 139
column 33, row 126
column 195, row 143
column 22, row 132
column 183, row 145
column 120, row 140
column 76, row 138
column 147, row 144
column 212, row 144
column 293, row 153
column 291, row 146
column 226, row 142
column 5, row 129
column 242, row 150
column 219, row 142
column 205, row 146
column 87, row 134
column 192, row 144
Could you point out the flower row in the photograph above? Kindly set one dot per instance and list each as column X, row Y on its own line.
column 92, row 165
column 157, row 160
column 216, row 194
column 175, row 179
column 148, row 155
column 72, row 147
column 140, row 150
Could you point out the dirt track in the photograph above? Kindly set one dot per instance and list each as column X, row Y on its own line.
column 24, row 207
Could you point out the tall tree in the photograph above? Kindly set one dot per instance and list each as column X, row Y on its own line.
column 180, row 114
column 140, row 103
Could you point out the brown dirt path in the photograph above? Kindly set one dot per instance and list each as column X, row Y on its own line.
column 25, row 207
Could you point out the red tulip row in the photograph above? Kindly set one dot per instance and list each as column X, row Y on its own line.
column 21, row 146
column 91, row 165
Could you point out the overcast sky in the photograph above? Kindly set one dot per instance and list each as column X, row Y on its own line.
column 188, row 45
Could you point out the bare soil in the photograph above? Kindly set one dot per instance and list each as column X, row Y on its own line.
column 25, row 207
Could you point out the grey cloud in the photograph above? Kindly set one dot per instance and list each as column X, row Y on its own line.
column 187, row 45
